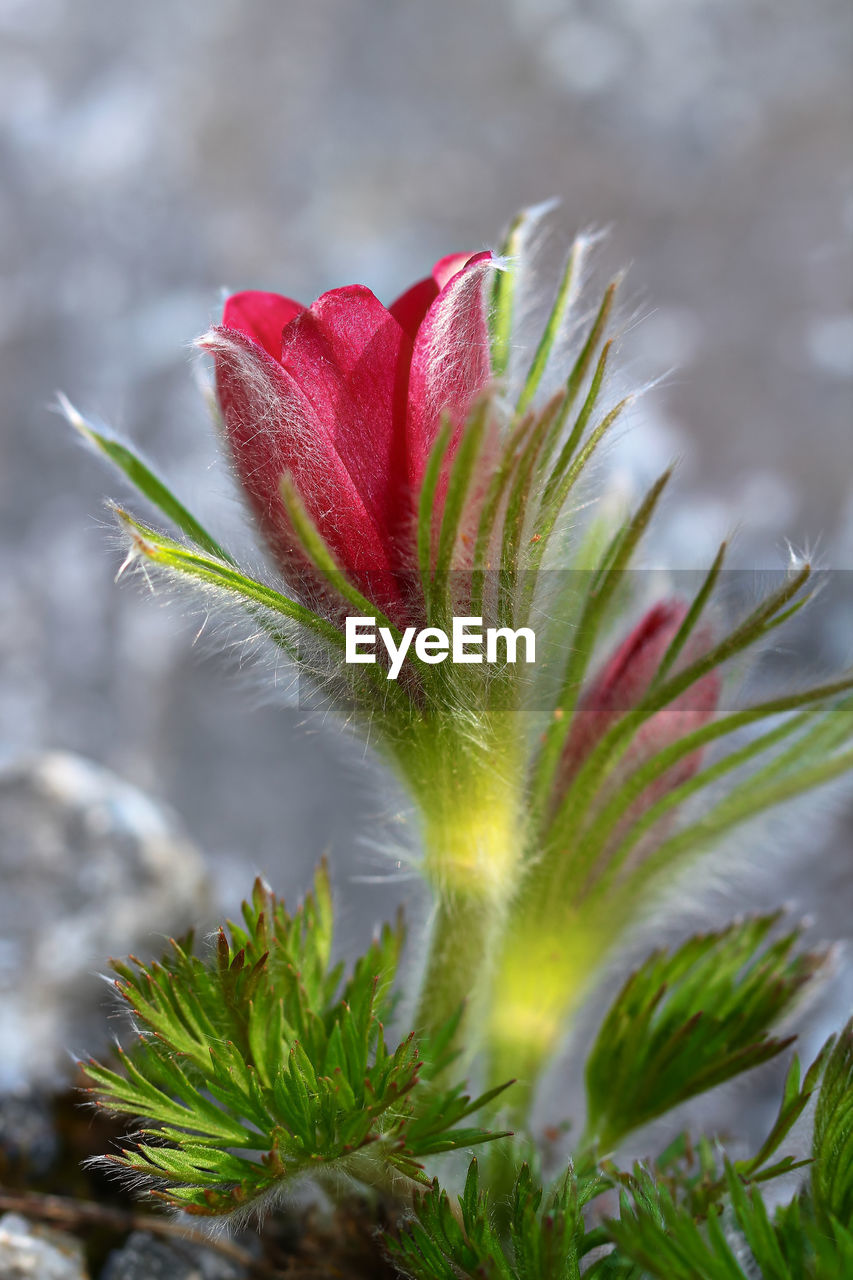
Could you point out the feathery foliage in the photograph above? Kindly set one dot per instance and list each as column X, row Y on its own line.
column 691, row 1019
column 674, row 1223
column 545, row 1240
column 665, row 1231
column 741, row 1238
column 258, row 1063
column 832, row 1171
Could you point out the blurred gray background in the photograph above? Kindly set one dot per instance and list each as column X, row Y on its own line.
column 154, row 154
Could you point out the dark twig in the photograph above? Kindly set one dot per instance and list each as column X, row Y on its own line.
column 73, row 1213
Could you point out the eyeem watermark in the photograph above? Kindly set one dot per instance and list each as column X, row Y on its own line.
column 465, row 644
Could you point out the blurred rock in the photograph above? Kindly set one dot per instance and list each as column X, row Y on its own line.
column 28, row 1139
column 145, row 1257
column 29, row 1252
column 91, row 867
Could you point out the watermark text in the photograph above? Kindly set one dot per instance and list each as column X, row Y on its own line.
column 467, row 642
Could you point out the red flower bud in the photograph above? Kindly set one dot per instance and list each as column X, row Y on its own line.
column 347, row 396
column 620, row 686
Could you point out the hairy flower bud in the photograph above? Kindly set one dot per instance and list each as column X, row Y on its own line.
column 346, row 397
column 623, row 681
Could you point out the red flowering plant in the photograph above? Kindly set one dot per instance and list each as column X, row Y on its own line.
column 413, row 465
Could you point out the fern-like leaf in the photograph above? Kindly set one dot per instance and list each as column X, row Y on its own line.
column 691, row 1019
column 257, row 1063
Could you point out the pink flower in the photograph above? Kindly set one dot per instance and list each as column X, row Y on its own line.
column 622, row 683
column 347, row 396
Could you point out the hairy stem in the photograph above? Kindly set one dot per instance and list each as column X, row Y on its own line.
column 473, row 839
column 462, row 936
column 540, row 979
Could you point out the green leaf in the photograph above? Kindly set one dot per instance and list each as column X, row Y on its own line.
column 545, row 1240
column 144, row 479
column 688, row 1020
column 573, row 458
column 567, row 293
column 502, row 309
column 795, row 1099
column 320, row 555
column 460, row 475
column 595, row 844
column 694, row 1172
column 488, row 542
column 426, row 511
column 163, row 551
column 691, row 618
column 518, row 500
column 600, row 591
column 255, row 1065
column 736, row 1242
column 605, row 755
column 809, row 763
column 556, row 488
column 284, row 620
column 832, row 1145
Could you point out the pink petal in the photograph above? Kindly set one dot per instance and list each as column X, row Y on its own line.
column 261, row 316
column 411, row 307
column 452, row 263
column 350, row 359
column 620, row 686
column 273, row 427
column 451, row 360
column 624, row 681
column 631, row 669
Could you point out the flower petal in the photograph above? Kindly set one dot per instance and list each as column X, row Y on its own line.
column 451, row 360
column 623, row 682
column 451, row 264
column 411, row 307
column 273, row 427
column 350, row 359
column 631, row 669
column 261, row 316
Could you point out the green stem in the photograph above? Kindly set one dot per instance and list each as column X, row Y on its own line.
column 372, row 1168
column 462, row 937
column 473, row 841
column 542, row 974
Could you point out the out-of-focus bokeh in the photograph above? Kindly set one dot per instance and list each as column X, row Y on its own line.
column 154, row 154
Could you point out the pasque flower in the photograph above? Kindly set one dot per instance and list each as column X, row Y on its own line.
column 419, row 461
column 407, row 461
column 346, row 397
